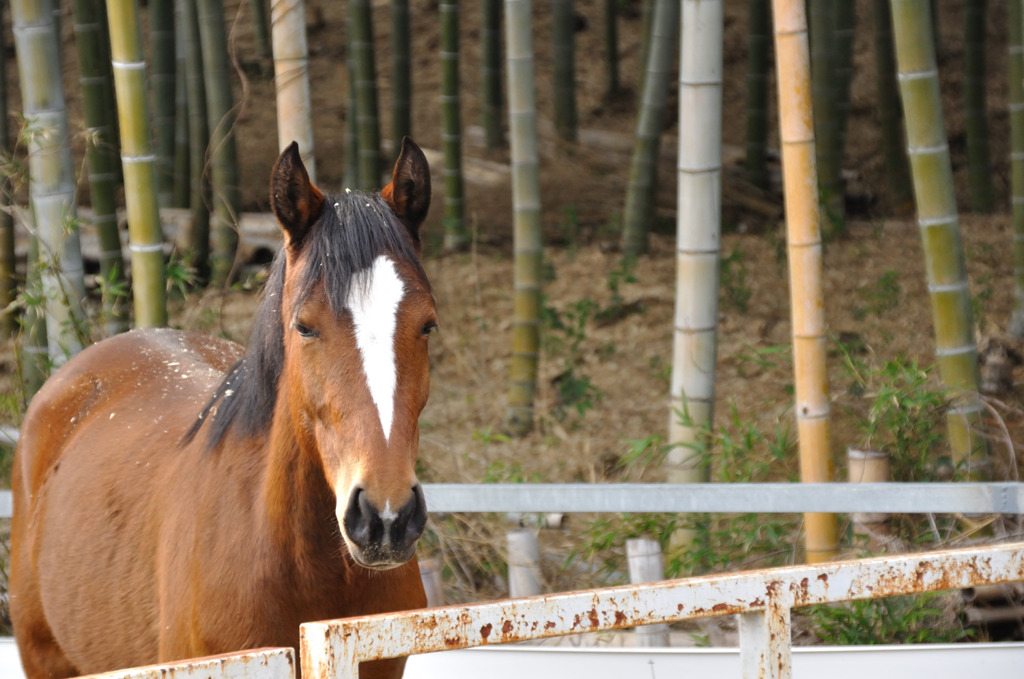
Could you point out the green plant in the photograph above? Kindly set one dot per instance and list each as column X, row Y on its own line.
column 564, row 333
column 881, row 296
column 734, row 280
column 925, row 618
column 488, row 436
column 500, row 471
column 181, row 276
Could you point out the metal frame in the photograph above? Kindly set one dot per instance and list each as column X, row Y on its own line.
column 263, row 663
column 763, row 599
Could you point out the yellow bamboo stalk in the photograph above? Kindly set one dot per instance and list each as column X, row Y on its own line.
column 291, row 78
column 144, row 233
column 803, row 227
column 698, row 238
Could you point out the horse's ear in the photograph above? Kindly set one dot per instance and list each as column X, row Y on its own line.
column 409, row 190
column 295, row 201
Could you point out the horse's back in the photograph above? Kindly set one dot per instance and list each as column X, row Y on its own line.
column 98, row 442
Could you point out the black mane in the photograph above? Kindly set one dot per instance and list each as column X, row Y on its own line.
column 353, row 231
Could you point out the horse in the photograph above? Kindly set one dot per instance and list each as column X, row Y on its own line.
column 177, row 495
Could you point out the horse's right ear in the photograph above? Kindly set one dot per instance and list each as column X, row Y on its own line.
column 294, row 200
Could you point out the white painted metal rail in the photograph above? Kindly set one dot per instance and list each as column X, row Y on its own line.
column 763, row 599
column 263, row 663
column 728, row 498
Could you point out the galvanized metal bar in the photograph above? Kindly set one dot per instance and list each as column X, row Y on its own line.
column 423, row 631
column 765, row 642
column 728, row 498
column 764, row 498
column 263, row 663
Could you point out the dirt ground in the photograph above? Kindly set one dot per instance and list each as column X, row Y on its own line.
column 875, row 290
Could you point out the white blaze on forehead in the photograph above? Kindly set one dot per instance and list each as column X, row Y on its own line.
column 373, row 302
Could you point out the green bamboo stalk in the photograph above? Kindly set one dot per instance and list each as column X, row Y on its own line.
column 563, row 37
column 826, row 121
column 199, row 139
column 698, row 239
column 1016, row 74
column 162, row 67
column 522, row 112
column 890, row 115
column 51, row 176
column 291, row 75
column 34, row 358
column 845, row 36
column 955, row 348
column 491, row 111
column 351, row 118
column 144, row 233
column 261, row 28
column 979, row 163
column 759, row 41
column 367, row 119
column 451, row 133
column 8, row 268
column 94, row 78
column 612, row 84
column 220, row 117
column 182, row 156
column 638, row 214
column 401, row 78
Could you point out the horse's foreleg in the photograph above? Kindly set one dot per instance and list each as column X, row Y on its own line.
column 41, row 655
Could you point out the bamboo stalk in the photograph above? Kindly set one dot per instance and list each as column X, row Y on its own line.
column 612, row 85
column 34, row 359
column 845, row 37
column 291, row 79
column 979, row 163
column 1016, row 73
column 890, row 115
column 261, row 28
column 698, row 238
column 182, row 152
column 144, row 233
column 638, row 213
column 51, row 181
column 826, row 130
column 8, row 268
column 94, row 78
column 351, row 114
column 162, row 87
column 563, row 37
column 365, row 87
column 759, row 43
column 522, row 111
column 401, row 77
column 803, row 227
column 490, row 75
column 199, row 138
column 451, row 132
column 220, row 115
column 955, row 348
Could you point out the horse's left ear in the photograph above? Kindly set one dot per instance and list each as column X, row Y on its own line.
column 295, row 201
column 408, row 194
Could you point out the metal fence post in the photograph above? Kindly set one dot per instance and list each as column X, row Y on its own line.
column 765, row 640
column 324, row 655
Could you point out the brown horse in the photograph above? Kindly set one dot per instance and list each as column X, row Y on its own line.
column 176, row 495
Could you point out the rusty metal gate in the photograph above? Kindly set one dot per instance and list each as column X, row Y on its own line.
column 763, row 599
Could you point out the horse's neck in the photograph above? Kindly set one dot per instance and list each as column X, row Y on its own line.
column 298, row 502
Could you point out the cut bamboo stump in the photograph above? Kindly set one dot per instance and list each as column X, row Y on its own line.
column 524, row 576
column 646, row 565
column 868, row 466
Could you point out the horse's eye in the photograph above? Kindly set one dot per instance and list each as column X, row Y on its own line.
column 428, row 328
column 305, row 331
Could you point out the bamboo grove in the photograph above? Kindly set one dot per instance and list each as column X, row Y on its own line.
column 160, row 115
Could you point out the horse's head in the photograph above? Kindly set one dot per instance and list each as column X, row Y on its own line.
column 357, row 311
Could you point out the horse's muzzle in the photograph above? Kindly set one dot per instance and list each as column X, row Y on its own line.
column 383, row 538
